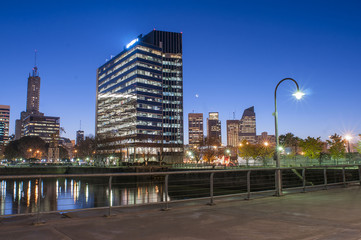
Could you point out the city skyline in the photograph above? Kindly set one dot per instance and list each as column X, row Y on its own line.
column 248, row 57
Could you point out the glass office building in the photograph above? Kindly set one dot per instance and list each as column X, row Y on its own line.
column 139, row 110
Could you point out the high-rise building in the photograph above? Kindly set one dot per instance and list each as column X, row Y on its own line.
column 4, row 126
column 79, row 136
column 195, row 128
column 139, row 110
column 232, row 133
column 32, row 122
column 247, row 126
column 214, row 134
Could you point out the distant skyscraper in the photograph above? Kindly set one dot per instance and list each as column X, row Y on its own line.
column 139, row 111
column 33, row 96
column 195, row 128
column 32, row 122
column 247, row 126
column 79, row 136
column 4, row 126
column 232, row 133
column 214, row 134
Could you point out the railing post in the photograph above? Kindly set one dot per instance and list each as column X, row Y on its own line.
column 325, row 177
column 248, row 185
column 211, row 203
column 304, row 179
column 110, row 196
column 166, row 193
column 344, row 177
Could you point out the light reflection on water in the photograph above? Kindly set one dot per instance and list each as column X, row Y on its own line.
column 22, row 196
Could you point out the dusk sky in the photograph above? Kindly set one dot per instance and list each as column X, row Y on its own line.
column 234, row 54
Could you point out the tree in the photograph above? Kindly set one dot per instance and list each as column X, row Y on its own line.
column 312, row 147
column 86, row 148
column 337, row 146
column 26, row 147
column 210, row 154
column 359, row 145
column 290, row 140
column 247, row 151
column 265, row 152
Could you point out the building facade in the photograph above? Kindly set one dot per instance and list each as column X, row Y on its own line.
column 247, row 126
column 214, row 133
column 32, row 122
column 195, row 129
column 265, row 138
column 232, row 133
column 79, row 136
column 4, row 126
column 139, row 110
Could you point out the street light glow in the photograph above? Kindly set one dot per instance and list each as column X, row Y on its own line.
column 266, row 144
column 348, row 137
column 298, row 95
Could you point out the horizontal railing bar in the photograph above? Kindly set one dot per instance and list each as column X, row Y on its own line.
column 166, row 173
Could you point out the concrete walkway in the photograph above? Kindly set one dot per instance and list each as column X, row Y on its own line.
column 331, row 214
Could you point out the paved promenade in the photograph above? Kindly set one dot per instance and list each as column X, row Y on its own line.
column 332, row 214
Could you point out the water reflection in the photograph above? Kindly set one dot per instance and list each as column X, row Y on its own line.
column 22, row 196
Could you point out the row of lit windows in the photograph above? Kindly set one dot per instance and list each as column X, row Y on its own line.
column 146, row 106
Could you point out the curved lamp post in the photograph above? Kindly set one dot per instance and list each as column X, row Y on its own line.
column 298, row 95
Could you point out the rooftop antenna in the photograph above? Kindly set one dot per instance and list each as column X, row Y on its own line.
column 80, row 125
column 35, row 69
column 234, row 116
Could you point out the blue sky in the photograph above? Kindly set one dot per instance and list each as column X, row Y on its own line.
column 234, row 54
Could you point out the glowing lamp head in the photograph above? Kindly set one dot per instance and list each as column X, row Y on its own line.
column 298, row 95
column 348, row 137
column 280, row 149
column 266, row 144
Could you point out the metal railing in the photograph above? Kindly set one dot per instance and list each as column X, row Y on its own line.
column 180, row 186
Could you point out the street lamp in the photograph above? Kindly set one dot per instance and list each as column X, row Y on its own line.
column 348, row 139
column 298, row 95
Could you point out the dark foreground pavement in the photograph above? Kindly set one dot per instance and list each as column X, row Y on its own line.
column 332, row 214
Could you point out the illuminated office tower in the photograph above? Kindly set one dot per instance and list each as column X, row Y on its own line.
column 195, row 129
column 232, row 132
column 214, row 134
column 79, row 136
column 4, row 126
column 247, row 126
column 139, row 102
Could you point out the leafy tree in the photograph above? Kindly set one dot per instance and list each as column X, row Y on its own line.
column 290, row 140
column 264, row 152
column 312, row 147
column 247, row 151
column 26, row 147
column 337, row 146
column 210, row 153
column 359, row 145
column 86, row 148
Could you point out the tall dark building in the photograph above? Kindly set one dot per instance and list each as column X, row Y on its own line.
column 214, row 133
column 79, row 136
column 4, row 126
column 195, row 128
column 139, row 111
column 32, row 122
column 247, row 126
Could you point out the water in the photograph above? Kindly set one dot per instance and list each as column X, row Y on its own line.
column 22, row 195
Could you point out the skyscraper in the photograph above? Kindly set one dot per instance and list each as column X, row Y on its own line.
column 247, row 126
column 139, row 110
column 214, row 134
column 4, row 126
column 195, row 128
column 232, row 133
column 32, row 122
column 79, row 136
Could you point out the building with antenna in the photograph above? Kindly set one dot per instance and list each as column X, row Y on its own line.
column 32, row 122
column 139, row 102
